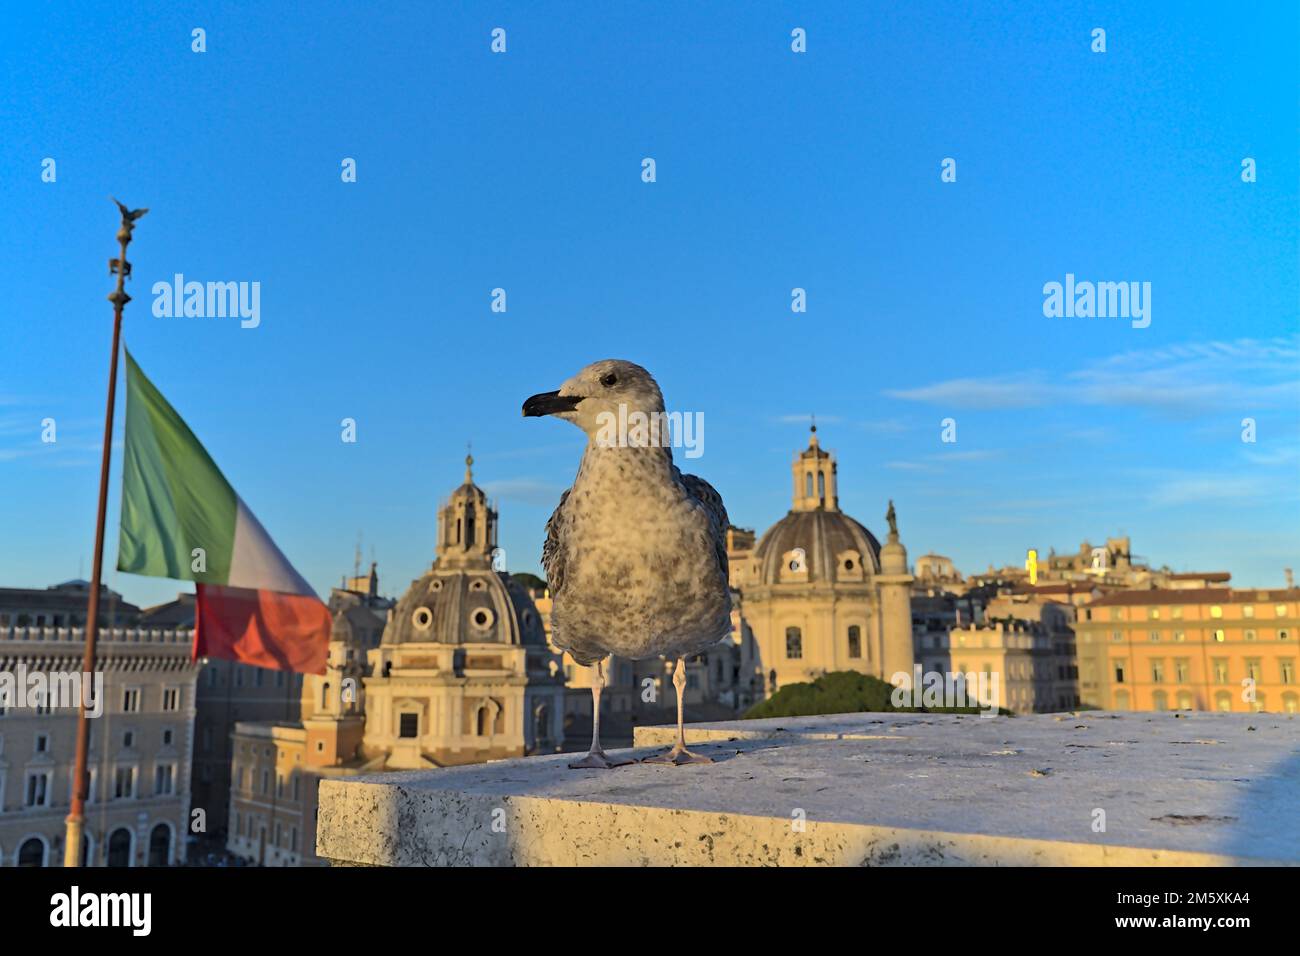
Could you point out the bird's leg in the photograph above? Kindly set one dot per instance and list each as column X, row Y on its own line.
column 679, row 754
column 596, row 758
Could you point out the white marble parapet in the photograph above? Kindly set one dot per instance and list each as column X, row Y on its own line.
column 1090, row 788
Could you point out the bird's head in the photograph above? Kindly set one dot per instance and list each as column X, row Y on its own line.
column 596, row 392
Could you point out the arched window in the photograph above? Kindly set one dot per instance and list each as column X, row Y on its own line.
column 325, row 696
column 160, row 845
column 31, row 853
column 1223, row 701
column 807, row 485
column 483, row 721
column 541, row 725
column 469, row 524
column 821, row 484
column 855, row 641
column 1160, row 700
column 793, row 643
column 119, row 847
column 1121, row 700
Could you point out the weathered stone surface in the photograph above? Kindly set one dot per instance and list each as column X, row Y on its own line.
column 874, row 789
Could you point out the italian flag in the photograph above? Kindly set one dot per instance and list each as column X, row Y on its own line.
column 182, row 519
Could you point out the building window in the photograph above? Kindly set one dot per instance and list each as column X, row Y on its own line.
column 1184, row 700
column 1117, row 637
column 164, row 780
column 1287, row 665
column 1279, row 611
column 1160, row 700
column 1218, row 636
column 266, row 782
column 1216, row 611
column 855, row 641
column 167, row 738
column 124, row 783
column 38, row 789
column 1290, row 703
column 1221, row 670
column 1252, row 668
column 1157, row 672
column 1180, row 637
column 42, row 743
column 793, row 643
column 1250, row 634
column 1154, row 636
column 1180, row 670
column 1248, row 610
column 1223, row 701
column 409, row 725
column 1176, row 612
column 131, row 700
column 1119, row 672
column 171, row 698
column 128, row 739
column 1154, row 613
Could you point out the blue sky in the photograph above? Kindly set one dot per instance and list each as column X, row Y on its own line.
column 775, row 170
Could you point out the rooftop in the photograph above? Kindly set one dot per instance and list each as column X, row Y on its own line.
column 1094, row 788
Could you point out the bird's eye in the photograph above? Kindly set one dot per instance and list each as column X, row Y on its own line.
column 610, row 380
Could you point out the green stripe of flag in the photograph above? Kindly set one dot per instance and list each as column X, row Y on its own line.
column 174, row 498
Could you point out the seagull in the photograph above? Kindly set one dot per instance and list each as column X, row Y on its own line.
column 635, row 554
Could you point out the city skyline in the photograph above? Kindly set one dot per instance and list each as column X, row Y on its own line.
column 925, row 298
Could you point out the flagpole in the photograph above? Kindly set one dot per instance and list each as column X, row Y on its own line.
column 76, row 814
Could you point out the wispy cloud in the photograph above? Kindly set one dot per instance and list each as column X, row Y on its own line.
column 1184, row 381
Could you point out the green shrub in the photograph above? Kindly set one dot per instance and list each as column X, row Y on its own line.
column 841, row 692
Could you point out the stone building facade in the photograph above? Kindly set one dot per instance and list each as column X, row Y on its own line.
column 1224, row 649
column 138, row 812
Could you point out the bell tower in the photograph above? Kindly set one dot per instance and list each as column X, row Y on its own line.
column 814, row 478
column 467, row 524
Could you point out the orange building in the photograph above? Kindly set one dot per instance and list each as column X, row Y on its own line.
column 1191, row 649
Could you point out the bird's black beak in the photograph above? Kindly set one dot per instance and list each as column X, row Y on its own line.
column 550, row 403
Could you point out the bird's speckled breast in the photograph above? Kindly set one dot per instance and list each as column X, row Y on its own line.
column 642, row 576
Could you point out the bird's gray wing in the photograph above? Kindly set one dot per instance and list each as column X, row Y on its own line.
column 711, row 501
column 553, row 551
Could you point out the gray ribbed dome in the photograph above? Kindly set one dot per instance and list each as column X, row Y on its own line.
column 465, row 606
column 824, row 537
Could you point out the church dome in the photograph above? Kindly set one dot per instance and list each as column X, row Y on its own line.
column 815, row 541
column 465, row 606
column 832, row 547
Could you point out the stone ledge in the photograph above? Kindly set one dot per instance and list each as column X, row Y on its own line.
column 875, row 789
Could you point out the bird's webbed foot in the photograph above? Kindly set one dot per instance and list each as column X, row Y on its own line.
column 598, row 760
column 678, row 756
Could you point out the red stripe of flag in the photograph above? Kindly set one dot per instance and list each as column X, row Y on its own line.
column 286, row 632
